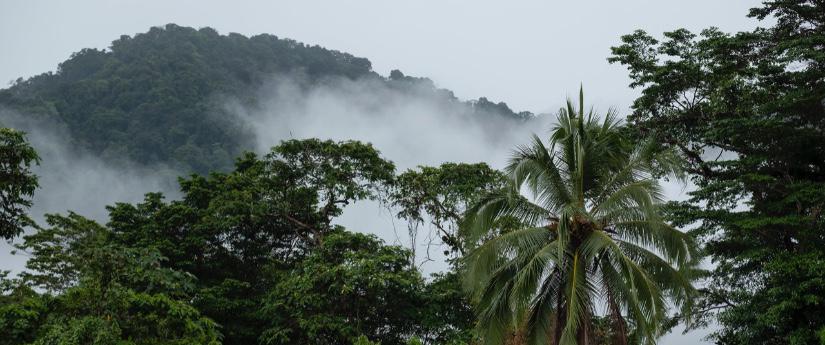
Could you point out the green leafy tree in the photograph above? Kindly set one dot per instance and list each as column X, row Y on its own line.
column 233, row 230
column 362, row 340
column 22, row 311
column 17, row 182
column 336, row 173
column 351, row 285
column 439, row 196
column 592, row 239
column 60, row 253
column 448, row 317
column 747, row 112
column 102, row 293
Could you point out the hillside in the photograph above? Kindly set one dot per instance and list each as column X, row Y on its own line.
column 156, row 97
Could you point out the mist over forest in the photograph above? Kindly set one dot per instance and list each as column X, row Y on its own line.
column 112, row 154
column 187, row 186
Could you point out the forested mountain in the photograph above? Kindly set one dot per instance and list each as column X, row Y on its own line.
column 572, row 243
column 157, row 97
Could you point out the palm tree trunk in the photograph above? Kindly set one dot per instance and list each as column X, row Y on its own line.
column 516, row 338
column 619, row 325
column 584, row 336
column 558, row 319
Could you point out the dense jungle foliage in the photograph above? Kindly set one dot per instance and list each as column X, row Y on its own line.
column 571, row 243
column 160, row 96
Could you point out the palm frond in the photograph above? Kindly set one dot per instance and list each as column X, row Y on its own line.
column 592, row 230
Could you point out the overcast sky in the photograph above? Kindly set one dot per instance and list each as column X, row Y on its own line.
column 530, row 54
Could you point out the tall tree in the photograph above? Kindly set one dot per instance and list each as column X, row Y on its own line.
column 592, row 233
column 447, row 317
column 748, row 112
column 336, row 173
column 439, row 196
column 350, row 285
column 17, row 182
column 100, row 293
column 232, row 230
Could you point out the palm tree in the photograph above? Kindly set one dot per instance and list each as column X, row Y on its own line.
column 591, row 239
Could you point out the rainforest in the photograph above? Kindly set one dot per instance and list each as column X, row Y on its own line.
column 186, row 186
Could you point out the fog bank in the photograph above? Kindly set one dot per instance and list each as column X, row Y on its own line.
column 74, row 180
column 410, row 127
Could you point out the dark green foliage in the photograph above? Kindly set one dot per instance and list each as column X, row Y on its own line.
column 157, row 97
column 350, row 285
column 160, row 97
column 483, row 105
column 231, row 230
column 129, row 318
column 103, row 293
column 440, row 195
column 158, row 269
column 250, row 254
column 22, row 310
column 59, row 253
column 355, row 288
column 336, row 173
column 747, row 110
column 17, row 182
column 591, row 240
column 448, row 317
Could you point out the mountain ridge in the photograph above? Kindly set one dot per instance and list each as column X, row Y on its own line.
column 150, row 98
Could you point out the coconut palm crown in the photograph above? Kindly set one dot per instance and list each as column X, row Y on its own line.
column 590, row 240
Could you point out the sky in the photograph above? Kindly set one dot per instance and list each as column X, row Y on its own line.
column 530, row 54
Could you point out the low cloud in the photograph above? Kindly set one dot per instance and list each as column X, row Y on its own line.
column 411, row 126
column 74, row 180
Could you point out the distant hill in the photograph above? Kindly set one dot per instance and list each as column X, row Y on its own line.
column 155, row 97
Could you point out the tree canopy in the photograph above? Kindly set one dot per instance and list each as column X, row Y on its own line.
column 160, row 97
column 251, row 256
column 747, row 111
column 572, row 243
column 591, row 238
column 17, row 181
